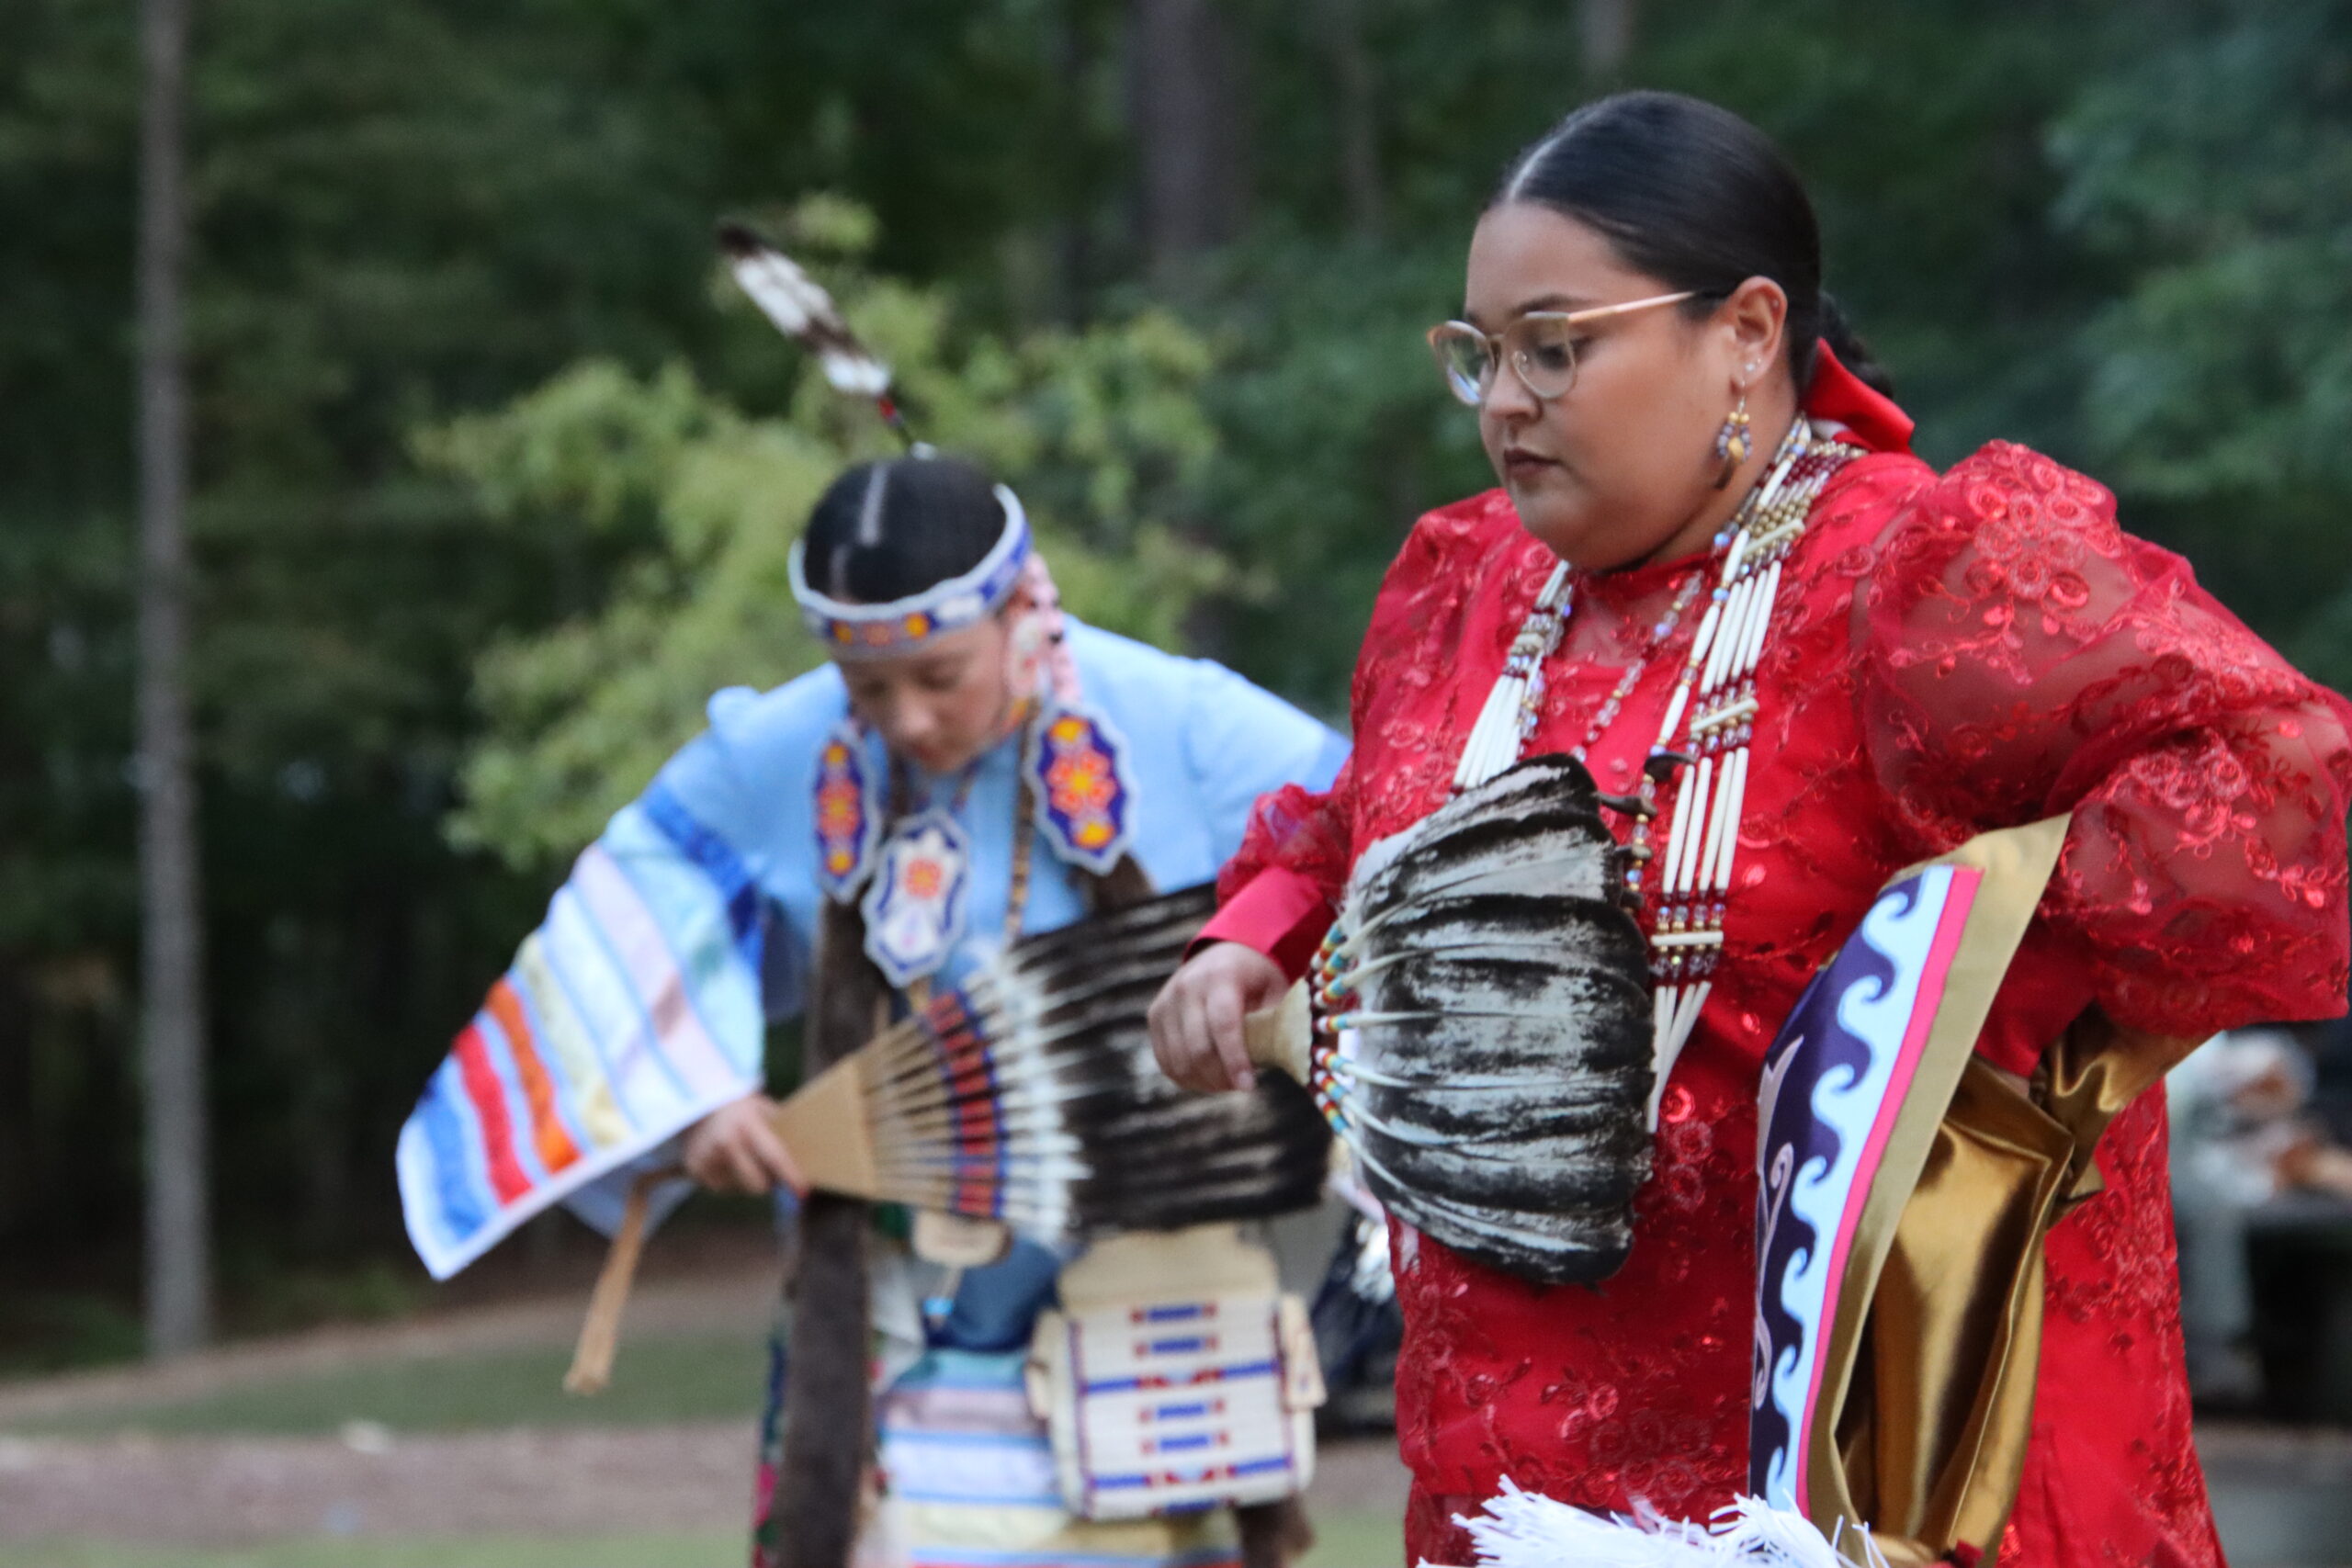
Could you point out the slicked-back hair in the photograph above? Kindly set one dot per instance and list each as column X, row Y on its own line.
column 1695, row 197
column 889, row 530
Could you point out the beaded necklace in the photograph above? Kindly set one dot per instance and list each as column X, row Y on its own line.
column 917, row 991
column 1716, row 691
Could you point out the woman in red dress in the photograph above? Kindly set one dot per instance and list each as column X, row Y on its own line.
column 1944, row 655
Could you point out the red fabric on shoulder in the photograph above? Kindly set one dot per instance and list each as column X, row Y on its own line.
column 1874, row 418
column 2018, row 656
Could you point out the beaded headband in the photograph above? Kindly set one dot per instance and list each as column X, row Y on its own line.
column 874, row 631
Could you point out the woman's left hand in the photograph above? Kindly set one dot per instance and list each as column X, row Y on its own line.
column 735, row 1149
column 1196, row 1020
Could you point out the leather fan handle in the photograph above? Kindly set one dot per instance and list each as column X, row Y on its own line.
column 1279, row 1036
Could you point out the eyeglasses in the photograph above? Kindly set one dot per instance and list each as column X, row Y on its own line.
column 1540, row 348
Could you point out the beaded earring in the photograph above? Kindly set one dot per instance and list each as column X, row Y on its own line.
column 1732, row 443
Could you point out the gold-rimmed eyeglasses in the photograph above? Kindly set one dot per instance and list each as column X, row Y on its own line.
column 1539, row 347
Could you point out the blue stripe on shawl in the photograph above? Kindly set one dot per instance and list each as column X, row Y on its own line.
column 581, row 950
column 718, row 860
column 463, row 1209
column 691, row 918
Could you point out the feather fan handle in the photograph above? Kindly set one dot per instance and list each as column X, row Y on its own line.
column 1521, row 1529
column 803, row 311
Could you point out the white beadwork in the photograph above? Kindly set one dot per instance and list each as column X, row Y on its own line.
column 1504, row 724
column 1716, row 691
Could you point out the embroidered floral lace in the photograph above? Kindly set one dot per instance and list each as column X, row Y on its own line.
column 1952, row 655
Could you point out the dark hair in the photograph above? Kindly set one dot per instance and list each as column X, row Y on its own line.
column 1698, row 198
column 884, row 531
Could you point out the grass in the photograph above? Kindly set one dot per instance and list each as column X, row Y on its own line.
column 57, row 1331
column 1357, row 1539
column 656, row 1380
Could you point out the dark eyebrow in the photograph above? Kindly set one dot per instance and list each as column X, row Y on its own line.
column 1541, row 303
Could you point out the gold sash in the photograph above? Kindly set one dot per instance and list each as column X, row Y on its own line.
column 1937, row 1342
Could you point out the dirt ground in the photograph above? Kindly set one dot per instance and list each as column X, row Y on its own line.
column 571, row 1482
column 234, row 1490
column 2284, row 1496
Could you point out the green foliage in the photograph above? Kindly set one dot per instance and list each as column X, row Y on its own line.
column 1917, row 128
column 580, row 714
column 659, row 1379
column 2221, row 164
column 43, row 1332
column 1337, row 434
column 1102, row 431
column 495, row 474
column 2217, row 165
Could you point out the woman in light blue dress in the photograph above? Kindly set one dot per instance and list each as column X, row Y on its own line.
column 969, row 766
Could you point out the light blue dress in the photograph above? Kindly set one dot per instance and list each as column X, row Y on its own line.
column 642, row 1003
column 1204, row 744
column 969, row 1474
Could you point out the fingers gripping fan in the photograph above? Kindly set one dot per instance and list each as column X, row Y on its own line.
column 1483, row 1041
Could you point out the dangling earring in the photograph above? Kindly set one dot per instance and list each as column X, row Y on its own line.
column 1732, row 443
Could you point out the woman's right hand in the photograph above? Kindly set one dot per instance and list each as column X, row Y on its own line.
column 1197, row 1019
column 735, row 1149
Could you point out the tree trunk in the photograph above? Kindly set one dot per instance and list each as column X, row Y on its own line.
column 1608, row 35
column 1358, row 101
column 1185, row 106
column 179, row 1290
column 1069, row 240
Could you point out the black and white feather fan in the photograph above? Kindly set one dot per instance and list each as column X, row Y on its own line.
column 1484, row 1046
column 1029, row 1094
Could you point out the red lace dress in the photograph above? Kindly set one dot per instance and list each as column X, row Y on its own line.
column 1950, row 655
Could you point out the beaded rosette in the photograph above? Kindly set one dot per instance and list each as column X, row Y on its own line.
column 909, row 877
column 914, row 908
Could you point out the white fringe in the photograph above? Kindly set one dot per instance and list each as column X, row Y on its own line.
column 1495, row 741
column 1521, row 1530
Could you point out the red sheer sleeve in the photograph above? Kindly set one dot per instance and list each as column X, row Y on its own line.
column 2020, row 656
column 1278, row 892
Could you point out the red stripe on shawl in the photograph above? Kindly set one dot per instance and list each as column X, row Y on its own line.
column 506, row 1178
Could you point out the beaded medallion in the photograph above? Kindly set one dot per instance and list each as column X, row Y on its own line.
column 1075, row 769
column 914, row 910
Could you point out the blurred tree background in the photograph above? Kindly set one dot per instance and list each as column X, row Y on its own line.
column 493, row 476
